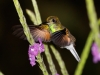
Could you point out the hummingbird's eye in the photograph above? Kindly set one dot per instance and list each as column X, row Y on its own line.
column 53, row 20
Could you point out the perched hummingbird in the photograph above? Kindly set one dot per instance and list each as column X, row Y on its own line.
column 39, row 31
column 61, row 35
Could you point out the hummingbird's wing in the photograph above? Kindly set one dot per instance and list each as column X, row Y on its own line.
column 40, row 31
column 62, row 38
column 18, row 31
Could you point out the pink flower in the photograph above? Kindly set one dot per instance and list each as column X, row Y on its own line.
column 95, row 53
column 34, row 50
column 32, row 60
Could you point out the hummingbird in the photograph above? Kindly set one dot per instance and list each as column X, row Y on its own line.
column 61, row 36
column 37, row 31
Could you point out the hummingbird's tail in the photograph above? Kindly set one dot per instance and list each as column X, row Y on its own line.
column 73, row 51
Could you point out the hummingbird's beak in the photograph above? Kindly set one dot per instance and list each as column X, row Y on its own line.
column 48, row 23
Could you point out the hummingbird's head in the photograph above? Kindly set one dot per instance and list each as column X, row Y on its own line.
column 54, row 23
column 52, row 20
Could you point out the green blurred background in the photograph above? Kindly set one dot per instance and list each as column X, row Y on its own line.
column 13, row 51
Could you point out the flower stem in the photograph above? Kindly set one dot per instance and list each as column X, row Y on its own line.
column 84, row 54
column 60, row 61
column 41, row 64
column 93, row 20
column 32, row 16
column 38, row 17
column 23, row 21
column 1, row 73
column 50, row 61
column 94, row 34
column 28, row 34
column 47, row 53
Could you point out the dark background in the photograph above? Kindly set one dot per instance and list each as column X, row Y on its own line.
column 13, row 51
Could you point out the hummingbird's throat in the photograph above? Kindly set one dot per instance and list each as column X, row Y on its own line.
column 54, row 28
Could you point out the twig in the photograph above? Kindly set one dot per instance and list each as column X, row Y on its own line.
column 59, row 60
column 84, row 55
column 50, row 61
column 28, row 35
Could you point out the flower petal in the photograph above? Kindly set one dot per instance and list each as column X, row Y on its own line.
column 95, row 53
column 34, row 50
